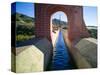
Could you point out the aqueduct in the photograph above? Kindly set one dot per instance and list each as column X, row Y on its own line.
column 76, row 22
column 36, row 56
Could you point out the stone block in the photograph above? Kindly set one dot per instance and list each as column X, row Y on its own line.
column 28, row 59
column 88, row 49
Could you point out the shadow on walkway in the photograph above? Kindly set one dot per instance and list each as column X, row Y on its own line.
column 32, row 41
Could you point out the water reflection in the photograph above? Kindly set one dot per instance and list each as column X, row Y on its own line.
column 61, row 58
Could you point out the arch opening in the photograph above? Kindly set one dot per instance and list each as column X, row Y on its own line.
column 58, row 22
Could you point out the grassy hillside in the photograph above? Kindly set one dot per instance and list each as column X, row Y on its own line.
column 24, row 20
column 25, row 26
column 58, row 22
column 93, row 33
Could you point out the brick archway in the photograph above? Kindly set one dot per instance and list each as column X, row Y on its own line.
column 74, row 14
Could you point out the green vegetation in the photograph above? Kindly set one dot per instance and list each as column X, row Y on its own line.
column 25, row 30
column 25, row 27
column 24, row 37
column 93, row 33
column 58, row 22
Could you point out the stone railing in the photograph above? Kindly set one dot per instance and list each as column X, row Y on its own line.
column 32, row 58
column 88, row 49
column 27, row 59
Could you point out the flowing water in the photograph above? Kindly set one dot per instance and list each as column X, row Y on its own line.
column 61, row 57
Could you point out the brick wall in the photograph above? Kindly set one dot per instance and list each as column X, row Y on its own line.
column 76, row 24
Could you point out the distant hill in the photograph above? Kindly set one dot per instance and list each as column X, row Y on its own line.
column 22, row 19
column 91, row 27
column 24, row 24
column 59, row 22
column 93, row 31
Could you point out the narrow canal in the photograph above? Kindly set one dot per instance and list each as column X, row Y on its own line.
column 61, row 58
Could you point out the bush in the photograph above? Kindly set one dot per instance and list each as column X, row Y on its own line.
column 23, row 37
column 25, row 30
column 93, row 33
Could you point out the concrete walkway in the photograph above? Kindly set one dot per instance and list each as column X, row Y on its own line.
column 88, row 48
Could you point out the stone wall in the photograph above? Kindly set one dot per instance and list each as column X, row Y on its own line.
column 46, row 47
column 32, row 58
column 88, row 49
column 29, row 59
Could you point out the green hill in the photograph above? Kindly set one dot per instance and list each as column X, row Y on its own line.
column 58, row 22
column 23, row 19
column 25, row 26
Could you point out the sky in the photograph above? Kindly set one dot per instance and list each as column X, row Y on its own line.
column 24, row 8
column 59, row 15
column 89, row 13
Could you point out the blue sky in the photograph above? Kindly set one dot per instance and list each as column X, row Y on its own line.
column 89, row 13
column 25, row 8
column 60, row 15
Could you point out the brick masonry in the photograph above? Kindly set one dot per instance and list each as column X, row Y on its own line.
column 76, row 24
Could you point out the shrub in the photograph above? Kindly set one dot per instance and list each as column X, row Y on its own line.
column 23, row 37
column 93, row 33
column 25, row 30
